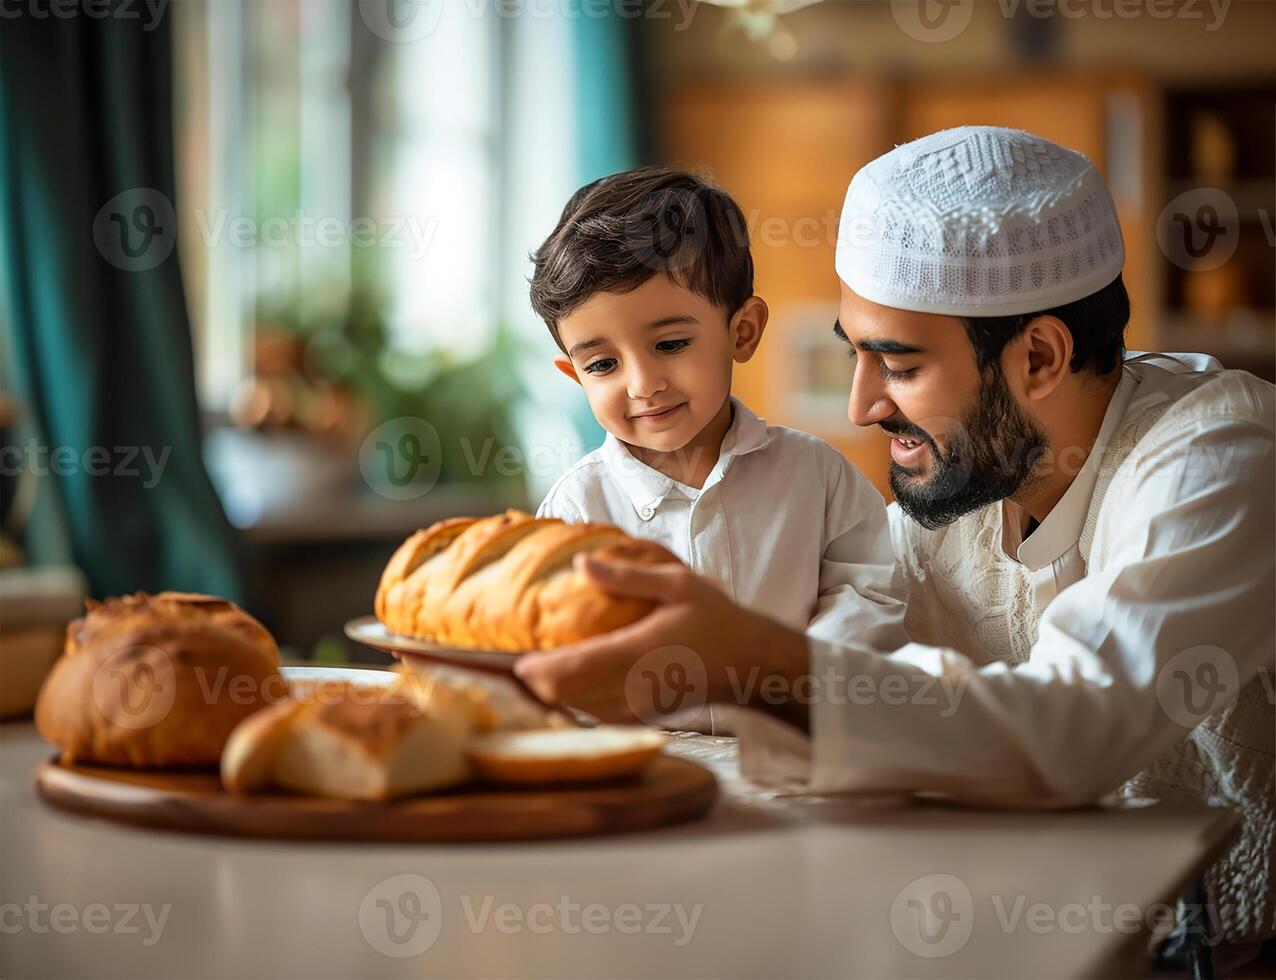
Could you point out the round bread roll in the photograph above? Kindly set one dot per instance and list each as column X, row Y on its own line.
column 157, row 681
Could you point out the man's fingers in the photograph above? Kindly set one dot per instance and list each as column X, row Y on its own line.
column 554, row 670
column 661, row 583
column 553, row 679
column 547, row 674
column 570, row 673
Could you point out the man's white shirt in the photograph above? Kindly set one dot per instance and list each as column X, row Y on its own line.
column 1052, row 670
column 784, row 522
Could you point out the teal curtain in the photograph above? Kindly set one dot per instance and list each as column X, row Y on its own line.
column 606, row 140
column 604, row 97
column 98, row 347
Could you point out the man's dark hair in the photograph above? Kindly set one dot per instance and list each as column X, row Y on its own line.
column 1097, row 323
column 618, row 232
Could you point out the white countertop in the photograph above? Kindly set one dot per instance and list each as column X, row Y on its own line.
column 764, row 887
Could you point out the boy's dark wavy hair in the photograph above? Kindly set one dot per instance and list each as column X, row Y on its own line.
column 620, row 231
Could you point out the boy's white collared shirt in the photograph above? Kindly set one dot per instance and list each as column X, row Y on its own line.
column 783, row 521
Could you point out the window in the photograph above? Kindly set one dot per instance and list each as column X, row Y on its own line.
column 439, row 185
column 318, row 158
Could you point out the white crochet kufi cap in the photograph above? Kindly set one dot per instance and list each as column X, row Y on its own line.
column 979, row 221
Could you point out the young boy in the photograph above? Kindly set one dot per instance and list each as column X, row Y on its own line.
column 647, row 286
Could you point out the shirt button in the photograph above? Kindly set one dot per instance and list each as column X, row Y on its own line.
column 647, row 513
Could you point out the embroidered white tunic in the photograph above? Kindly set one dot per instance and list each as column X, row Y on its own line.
column 1126, row 643
column 786, row 524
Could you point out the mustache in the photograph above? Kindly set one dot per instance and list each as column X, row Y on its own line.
column 902, row 427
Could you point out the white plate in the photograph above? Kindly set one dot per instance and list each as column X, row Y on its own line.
column 355, row 675
column 370, row 631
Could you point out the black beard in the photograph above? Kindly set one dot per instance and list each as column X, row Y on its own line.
column 990, row 457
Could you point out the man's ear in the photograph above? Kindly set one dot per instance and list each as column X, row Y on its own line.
column 1042, row 355
column 564, row 365
column 747, row 327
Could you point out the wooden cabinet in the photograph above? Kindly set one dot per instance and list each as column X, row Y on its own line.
column 787, row 152
column 1220, row 170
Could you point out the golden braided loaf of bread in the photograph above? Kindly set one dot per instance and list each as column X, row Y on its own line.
column 507, row 583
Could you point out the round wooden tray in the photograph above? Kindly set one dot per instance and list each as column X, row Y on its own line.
column 669, row 791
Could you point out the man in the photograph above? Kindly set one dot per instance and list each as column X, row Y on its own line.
column 1088, row 538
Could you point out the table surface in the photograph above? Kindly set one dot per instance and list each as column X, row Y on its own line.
column 766, row 886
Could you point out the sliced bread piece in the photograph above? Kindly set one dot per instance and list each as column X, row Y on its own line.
column 566, row 755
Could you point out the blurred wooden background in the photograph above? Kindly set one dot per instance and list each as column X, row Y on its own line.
column 1160, row 105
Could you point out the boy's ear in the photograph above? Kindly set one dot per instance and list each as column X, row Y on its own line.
column 564, row 365
column 747, row 327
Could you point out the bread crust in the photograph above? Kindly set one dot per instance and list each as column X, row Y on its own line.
column 507, row 583
column 157, row 681
column 401, row 589
column 359, row 742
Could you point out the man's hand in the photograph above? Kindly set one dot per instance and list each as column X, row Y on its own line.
column 695, row 647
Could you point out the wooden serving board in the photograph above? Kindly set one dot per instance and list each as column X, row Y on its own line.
column 669, row 791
